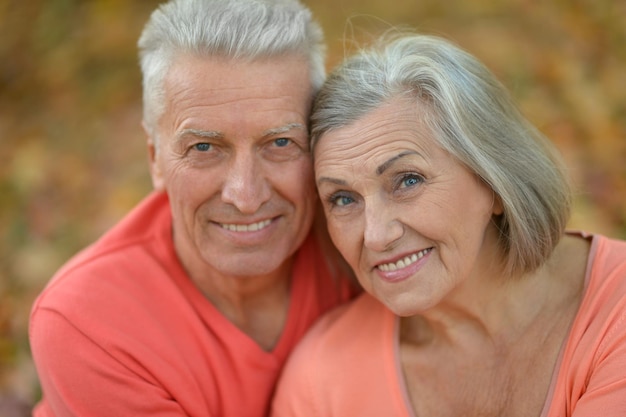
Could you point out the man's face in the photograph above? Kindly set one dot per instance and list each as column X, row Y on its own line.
column 233, row 156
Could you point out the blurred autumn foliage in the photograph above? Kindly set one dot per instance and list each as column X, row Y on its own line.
column 72, row 152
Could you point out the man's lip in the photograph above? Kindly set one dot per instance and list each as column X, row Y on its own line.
column 248, row 226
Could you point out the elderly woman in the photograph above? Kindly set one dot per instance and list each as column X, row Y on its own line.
column 451, row 209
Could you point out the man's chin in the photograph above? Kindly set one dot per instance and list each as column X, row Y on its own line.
column 250, row 265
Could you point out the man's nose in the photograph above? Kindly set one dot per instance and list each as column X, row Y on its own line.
column 245, row 185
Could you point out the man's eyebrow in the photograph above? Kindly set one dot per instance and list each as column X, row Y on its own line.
column 383, row 167
column 210, row 134
column 213, row 134
column 284, row 129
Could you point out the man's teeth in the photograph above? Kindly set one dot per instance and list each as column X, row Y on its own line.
column 404, row 262
column 253, row 227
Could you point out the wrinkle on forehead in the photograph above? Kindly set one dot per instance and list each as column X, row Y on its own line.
column 401, row 108
column 234, row 80
column 396, row 121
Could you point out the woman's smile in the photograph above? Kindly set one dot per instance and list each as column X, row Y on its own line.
column 403, row 268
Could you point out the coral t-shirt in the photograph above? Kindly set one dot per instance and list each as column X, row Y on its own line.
column 348, row 364
column 122, row 331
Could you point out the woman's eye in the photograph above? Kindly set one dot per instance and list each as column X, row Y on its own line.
column 282, row 142
column 202, row 147
column 411, row 180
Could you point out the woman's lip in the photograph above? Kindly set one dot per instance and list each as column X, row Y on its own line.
column 404, row 266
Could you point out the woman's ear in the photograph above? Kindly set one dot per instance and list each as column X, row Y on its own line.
column 497, row 206
column 153, row 159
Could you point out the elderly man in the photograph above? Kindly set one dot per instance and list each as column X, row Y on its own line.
column 191, row 304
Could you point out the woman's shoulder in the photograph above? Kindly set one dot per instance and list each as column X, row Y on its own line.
column 601, row 318
column 605, row 274
column 342, row 336
column 605, row 260
column 609, row 253
column 360, row 318
column 344, row 351
column 593, row 368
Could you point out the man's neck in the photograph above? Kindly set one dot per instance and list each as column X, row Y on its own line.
column 257, row 305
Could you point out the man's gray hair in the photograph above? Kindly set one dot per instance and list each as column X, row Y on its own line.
column 238, row 29
column 472, row 117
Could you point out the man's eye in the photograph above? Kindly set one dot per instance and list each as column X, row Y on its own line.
column 344, row 201
column 202, row 147
column 340, row 200
column 282, row 142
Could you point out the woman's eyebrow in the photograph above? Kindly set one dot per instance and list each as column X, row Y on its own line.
column 383, row 167
column 379, row 171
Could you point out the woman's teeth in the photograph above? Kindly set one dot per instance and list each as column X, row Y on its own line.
column 404, row 262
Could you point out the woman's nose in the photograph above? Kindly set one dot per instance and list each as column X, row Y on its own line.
column 382, row 228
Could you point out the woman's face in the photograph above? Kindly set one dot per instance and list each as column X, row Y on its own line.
column 412, row 222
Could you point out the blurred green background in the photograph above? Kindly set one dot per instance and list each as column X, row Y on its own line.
column 72, row 153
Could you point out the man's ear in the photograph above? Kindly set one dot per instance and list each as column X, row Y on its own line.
column 153, row 159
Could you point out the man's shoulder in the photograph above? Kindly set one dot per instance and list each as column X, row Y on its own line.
column 150, row 216
column 126, row 249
